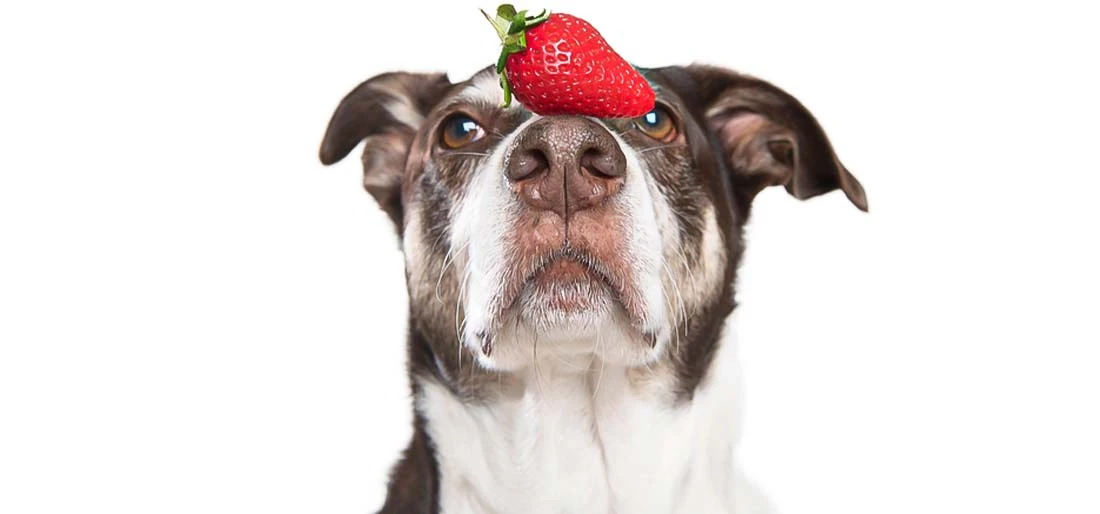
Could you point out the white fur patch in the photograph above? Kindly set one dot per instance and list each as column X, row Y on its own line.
column 591, row 440
column 400, row 105
column 484, row 88
column 405, row 113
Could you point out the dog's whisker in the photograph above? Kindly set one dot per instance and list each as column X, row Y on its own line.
column 679, row 297
column 448, row 259
column 477, row 154
column 535, row 359
column 672, row 312
column 595, row 356
column 687, row 268
column 660, row 147
column 460, row 325
column 569, row 365
column 435, row 251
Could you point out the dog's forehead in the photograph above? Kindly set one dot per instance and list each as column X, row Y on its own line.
column 482, row 97
column 482, row 88
column 480, row 92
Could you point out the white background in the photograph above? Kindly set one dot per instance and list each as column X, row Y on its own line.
column 196, row 316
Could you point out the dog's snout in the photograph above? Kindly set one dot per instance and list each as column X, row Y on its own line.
column 565, row 164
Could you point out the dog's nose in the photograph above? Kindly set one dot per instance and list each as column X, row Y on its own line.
column 565, row 164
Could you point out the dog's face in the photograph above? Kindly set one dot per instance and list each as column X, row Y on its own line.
column 530, row 237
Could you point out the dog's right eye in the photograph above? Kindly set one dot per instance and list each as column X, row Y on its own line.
column 460, row 130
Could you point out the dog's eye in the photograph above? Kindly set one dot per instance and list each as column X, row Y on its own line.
column 460, row 130
column 657, row 124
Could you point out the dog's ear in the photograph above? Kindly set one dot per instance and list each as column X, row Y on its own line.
column 384, row 113
column 769, row 138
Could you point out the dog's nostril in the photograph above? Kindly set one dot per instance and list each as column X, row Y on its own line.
column 601, row 164
column 526, row 163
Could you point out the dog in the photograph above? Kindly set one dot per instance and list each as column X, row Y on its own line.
column 569, row 283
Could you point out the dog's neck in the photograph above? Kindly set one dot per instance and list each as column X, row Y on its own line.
column 563, row 437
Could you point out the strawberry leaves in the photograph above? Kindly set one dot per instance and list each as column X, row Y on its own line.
column 511, row 26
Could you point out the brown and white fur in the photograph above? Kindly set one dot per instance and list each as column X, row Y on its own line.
column 569, row 284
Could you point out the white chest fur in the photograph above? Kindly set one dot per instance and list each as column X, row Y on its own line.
column 573, row 439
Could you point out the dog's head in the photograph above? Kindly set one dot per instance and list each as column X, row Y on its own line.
column 561, row 236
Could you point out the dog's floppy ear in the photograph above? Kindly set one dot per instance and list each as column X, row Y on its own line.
column 384, row 112
column 769, row 138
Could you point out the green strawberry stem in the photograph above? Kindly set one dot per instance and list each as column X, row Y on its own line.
column 511, row 27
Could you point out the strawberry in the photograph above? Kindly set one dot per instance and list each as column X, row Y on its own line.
column 560, row 64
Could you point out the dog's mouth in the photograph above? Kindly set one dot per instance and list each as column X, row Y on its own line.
column 566, row 281
column 567, row 285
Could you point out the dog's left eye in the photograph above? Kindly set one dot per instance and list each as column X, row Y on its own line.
column 657, row 124
column 460, row 130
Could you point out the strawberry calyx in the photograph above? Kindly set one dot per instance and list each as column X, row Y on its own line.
column 511, row 26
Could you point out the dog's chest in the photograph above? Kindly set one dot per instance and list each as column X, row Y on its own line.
column 583, row 442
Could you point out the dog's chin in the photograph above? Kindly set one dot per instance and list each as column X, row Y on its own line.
column 565, row 294
column 568, row 312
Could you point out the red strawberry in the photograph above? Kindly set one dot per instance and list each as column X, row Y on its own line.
column 559, row 64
